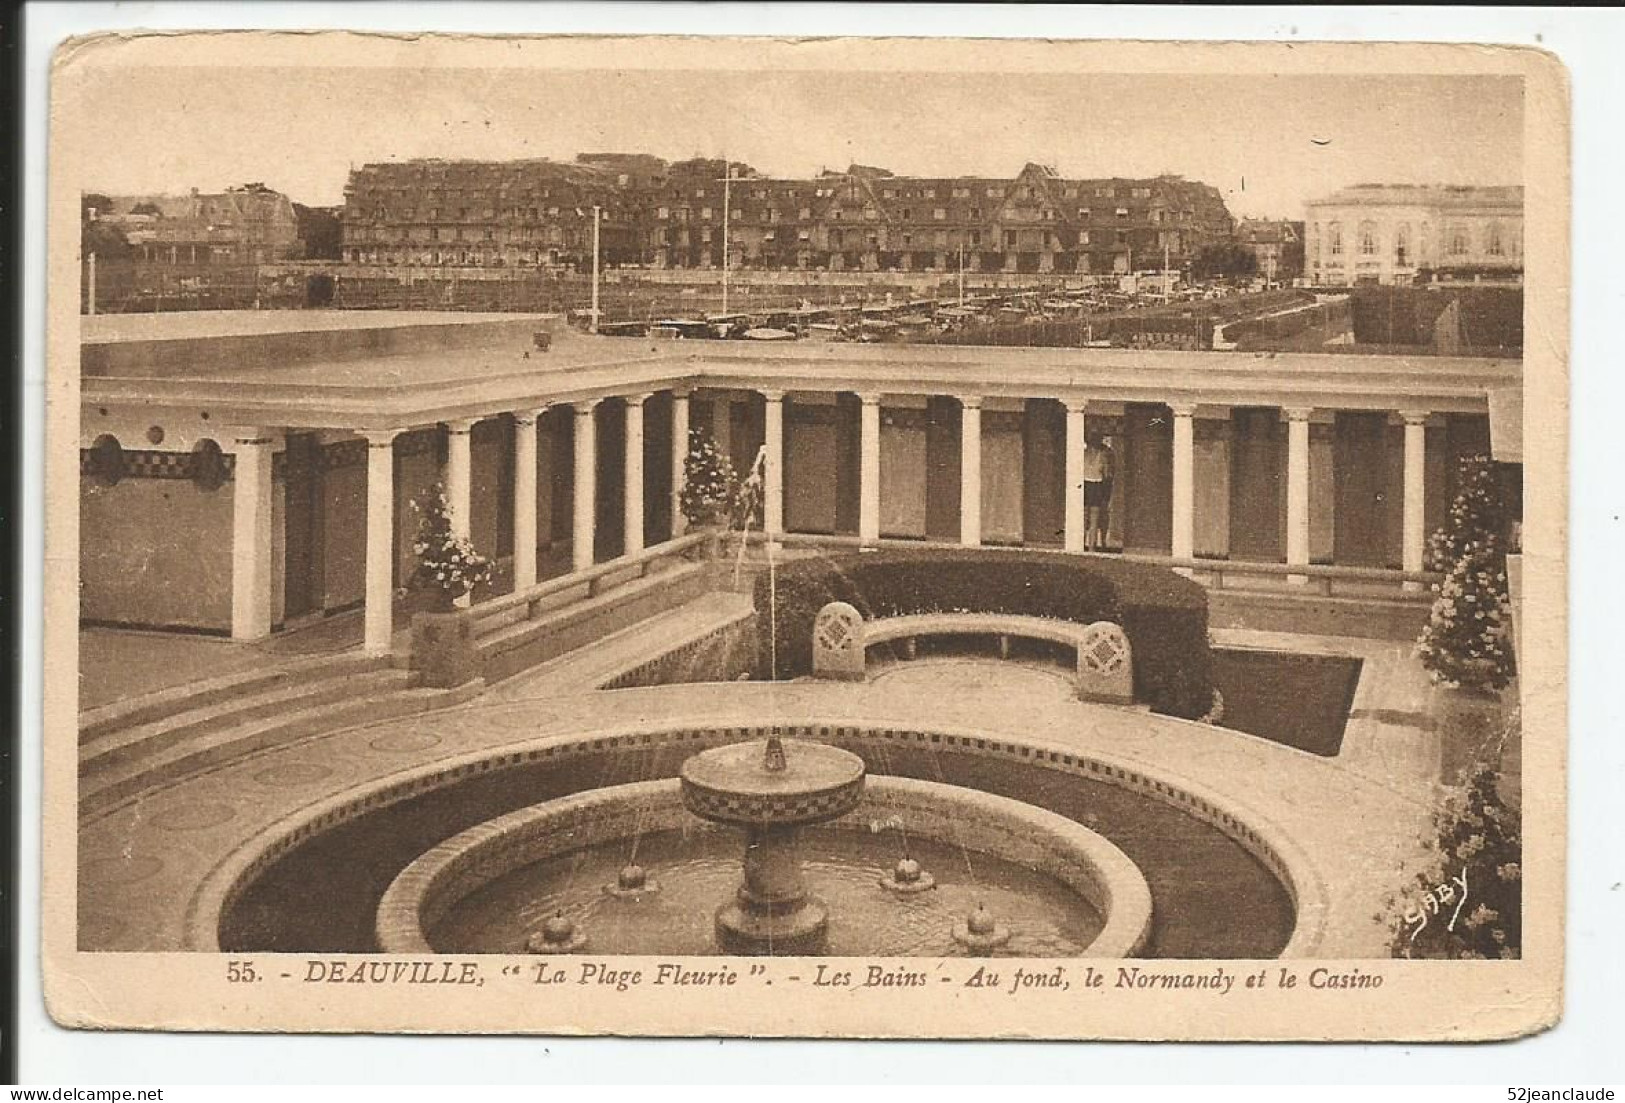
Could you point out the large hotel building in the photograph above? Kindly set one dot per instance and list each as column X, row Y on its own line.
column 540, row 214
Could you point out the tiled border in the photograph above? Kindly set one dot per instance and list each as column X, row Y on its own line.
column 1271, row 845
column 151, row 464
column 1081, row 859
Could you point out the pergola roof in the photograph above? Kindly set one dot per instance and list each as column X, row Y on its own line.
column 499, row 373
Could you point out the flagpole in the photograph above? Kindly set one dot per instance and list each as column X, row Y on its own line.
column 596, row 212
column 727, row 197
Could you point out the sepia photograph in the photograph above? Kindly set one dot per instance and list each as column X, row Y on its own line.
column 826, row 537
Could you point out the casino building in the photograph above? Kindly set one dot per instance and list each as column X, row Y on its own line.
column 1394, row 233
column 242, row 472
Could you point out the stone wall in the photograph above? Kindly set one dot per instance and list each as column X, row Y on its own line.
column 155, row 547
column 721, row 656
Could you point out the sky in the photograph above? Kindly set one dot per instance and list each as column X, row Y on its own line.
column 1267, row 143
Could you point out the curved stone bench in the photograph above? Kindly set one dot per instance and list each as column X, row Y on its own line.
column 1105, row 670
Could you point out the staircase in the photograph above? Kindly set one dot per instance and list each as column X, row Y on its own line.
column 158, row 738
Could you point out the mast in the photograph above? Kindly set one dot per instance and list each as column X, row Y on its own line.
column 961, row 275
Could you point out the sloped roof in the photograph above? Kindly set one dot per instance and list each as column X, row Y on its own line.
column 239, row 203
column 168, row 206
column 1266, row 231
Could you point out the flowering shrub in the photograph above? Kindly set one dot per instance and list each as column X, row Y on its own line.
column 1466, row 901
column 1476, row 514
column 1465, row 640
column 447, row 563
column 710, row 486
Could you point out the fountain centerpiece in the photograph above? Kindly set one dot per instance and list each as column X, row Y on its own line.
column 772, row 788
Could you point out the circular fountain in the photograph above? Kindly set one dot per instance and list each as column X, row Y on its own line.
column 1051, row 887
column 771, row 789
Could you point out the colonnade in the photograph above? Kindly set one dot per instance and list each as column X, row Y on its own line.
column 251, row 614
column 458, row 482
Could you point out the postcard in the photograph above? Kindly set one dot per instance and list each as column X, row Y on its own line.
column 928, row 538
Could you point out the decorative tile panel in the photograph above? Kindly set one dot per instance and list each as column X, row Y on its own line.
column 180, row 466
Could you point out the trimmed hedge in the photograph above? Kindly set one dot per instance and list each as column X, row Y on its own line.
column 1163, row 614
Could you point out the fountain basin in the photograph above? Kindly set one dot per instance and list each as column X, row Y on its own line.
column 1085, row 865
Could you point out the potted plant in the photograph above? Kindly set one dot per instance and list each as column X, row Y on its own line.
column 1463, row 898
column 1465, row 645
column 448, row 569
column 710, row 486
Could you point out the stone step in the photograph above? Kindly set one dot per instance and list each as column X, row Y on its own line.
column 277, row 696
column 212, row 748
column 172, row 700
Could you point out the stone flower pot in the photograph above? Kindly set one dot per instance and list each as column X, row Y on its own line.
column 443, row 652
column 1470, row 719
column 714, row 518
column 710, row 551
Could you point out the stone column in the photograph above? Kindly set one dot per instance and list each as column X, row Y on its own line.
column 1414, row 540
column 773, row 468
column 379, row 622
column 460, row 482
column 1297, row 490
column 634, row 473
column 1184, row 527
column 679, row 459
column 459, row 473
column 970, row 470
column 1076, row 442
column 251, row 613
column 524, row 498
column 586, row 486
column 869, row 472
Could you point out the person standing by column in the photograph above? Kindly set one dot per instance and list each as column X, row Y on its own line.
column 1099, row 466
